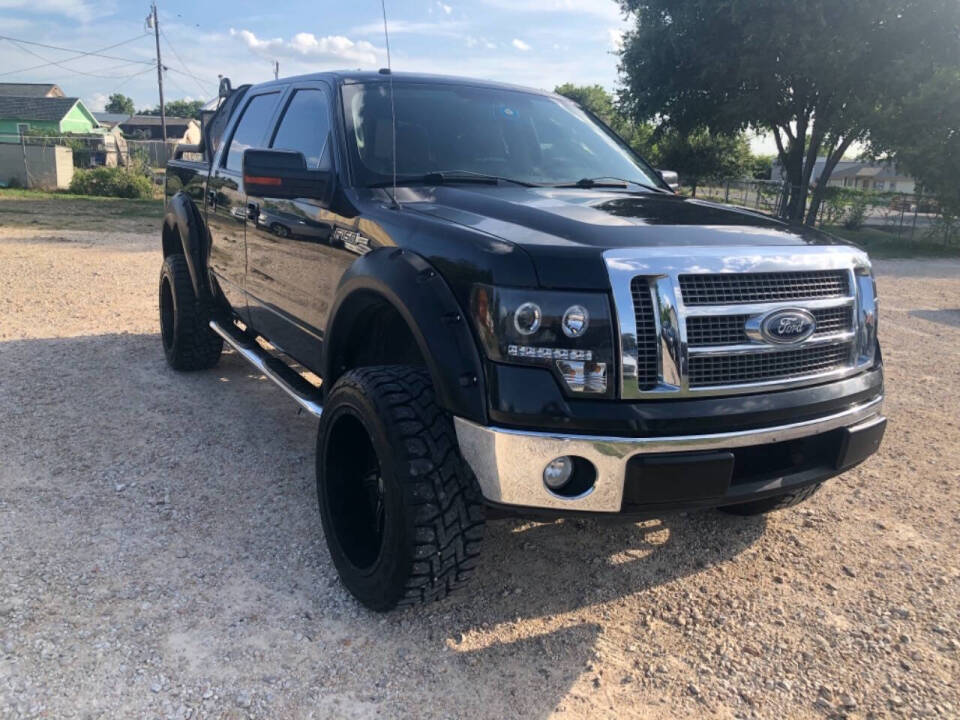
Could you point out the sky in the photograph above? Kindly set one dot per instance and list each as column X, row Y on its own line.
column 539, row 43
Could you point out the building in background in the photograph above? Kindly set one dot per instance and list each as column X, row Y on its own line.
column 30, row 90
column 54, row 115
column 147, row 127
column 858, row 175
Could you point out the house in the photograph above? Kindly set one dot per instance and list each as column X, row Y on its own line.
column 147, row 127
column 30, row 90
column 877, row 177
column 111, row 120
column 858, row 175
column 56, row 115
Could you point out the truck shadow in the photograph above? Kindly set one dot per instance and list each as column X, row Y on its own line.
column 949, row 317
column 203, row 484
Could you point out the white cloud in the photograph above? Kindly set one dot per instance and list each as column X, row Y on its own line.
column 616, row 38
column 308, row 46
column 446, row 8
column 96, row 102
column 520, row 45
column 447, row 28
column 74, row 9
column 607, row 9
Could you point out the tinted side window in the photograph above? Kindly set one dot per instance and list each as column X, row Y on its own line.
column 251, row 128
column 305, row 127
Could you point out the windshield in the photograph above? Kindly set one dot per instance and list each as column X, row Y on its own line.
column 444, row 128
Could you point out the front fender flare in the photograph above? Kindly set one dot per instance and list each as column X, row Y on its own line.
column 440, row 327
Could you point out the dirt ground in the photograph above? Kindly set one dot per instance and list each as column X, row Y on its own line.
column 161, row 553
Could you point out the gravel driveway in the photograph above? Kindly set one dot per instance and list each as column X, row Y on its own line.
column 161, row 553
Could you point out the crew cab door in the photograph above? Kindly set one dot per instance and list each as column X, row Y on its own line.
column 292, row 266
column 226, row 202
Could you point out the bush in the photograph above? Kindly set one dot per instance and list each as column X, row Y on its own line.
column 111, row 182
column 856, row 212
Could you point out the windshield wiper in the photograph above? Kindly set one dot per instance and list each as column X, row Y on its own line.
column 609, row 182
column 453, row 176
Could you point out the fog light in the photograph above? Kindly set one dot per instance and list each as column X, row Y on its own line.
column 527, row 318
column 575, row 321
column 558, row 472
column 584, row 376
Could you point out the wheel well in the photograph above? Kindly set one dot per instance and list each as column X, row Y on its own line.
column 378, row 335
column 171, row 240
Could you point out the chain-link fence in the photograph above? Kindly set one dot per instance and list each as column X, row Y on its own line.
column 906, row 216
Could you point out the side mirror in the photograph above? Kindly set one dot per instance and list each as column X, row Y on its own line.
column 283, row 174
column 225, row 88
column 671, row 178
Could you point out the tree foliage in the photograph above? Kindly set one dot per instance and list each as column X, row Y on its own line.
column 920, row 132
column 701, row 155
column 178, row 108
column 120, row 103
column 815, row 73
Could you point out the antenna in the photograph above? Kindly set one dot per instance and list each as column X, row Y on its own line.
column 393, row 108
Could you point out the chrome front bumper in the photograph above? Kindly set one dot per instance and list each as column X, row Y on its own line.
column 509, row 464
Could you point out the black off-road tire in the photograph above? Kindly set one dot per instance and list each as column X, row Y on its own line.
column 401, row 510
column 771, row 504
column 188, row 341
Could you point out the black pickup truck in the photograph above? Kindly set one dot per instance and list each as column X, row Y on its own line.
column 495, row 307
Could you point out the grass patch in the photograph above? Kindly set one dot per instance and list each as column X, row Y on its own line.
column 66, row 210
column 882, row 243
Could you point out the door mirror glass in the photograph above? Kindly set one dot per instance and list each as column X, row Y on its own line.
column 283, row 174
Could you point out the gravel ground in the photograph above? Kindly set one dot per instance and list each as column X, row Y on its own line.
column 161, row 553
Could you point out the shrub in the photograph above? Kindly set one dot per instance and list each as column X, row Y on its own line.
column 111, row 182
column 856, row 212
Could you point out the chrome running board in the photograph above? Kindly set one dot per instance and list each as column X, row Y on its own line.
column 289, row 380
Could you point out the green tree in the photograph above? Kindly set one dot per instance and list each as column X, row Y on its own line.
column 120, row 103
column 920, row 132
column 814, row 73
column 178, row 108
column 702, row 155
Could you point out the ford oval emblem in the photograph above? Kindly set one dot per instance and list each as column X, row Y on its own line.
column 788, row 326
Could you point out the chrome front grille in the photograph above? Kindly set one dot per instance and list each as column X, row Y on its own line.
column 647, row 366
column 724, row 289
column 707, row 330
column 697, row 321
column 711, row 370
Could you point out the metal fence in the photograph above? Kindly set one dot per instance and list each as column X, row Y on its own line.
column 906, row 216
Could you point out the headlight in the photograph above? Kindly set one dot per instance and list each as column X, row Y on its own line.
column 569, row 333
column 867, row 316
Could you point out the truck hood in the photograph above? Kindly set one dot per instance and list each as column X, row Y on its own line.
column 566, row 230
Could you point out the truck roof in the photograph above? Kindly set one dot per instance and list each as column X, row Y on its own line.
column 350, row 77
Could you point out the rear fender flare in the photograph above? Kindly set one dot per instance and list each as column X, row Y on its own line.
column 183, row 218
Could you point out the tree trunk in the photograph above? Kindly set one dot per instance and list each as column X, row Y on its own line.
column 818, row 193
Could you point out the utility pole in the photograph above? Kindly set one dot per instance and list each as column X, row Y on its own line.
column 276, row 69
column 26, row 167
column 152, row 20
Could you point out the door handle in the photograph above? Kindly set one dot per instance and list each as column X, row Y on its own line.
column 253, row 211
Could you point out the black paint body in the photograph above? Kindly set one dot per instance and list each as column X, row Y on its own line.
column 299, row 271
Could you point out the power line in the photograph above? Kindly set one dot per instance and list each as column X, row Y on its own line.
column 203, row 90
column 95, row 53
column 67, row 59
column 60, row 64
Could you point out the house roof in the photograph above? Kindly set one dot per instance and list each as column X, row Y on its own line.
column 154, row 120
column 30, row 90
column 862, row 169
column 111, row 118
column 49, row 109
